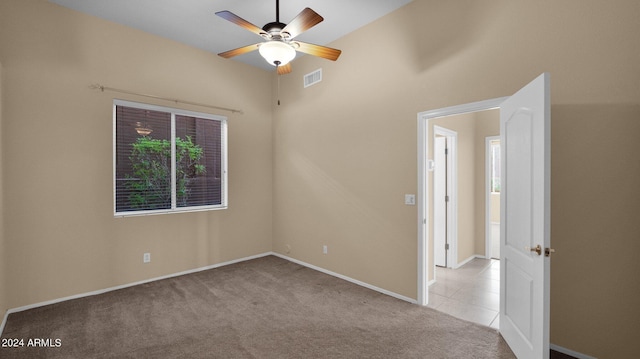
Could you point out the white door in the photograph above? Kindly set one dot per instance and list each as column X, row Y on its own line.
column 524, row 273
column 439, row 203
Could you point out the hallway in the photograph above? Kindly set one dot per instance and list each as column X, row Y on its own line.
column 471, row 292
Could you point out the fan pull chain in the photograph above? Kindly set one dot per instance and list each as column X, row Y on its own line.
column 278, row 91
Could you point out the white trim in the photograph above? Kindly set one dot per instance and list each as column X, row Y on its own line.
column 464, row 108
column 423, row 213
column 110, row 289
column 224, row 144
column 423, row 118
column 348, row 279
column 574, row 354
column 174, row 165
column 178, row 111
column 213, row 266
column 488, row 242
column 469, row 260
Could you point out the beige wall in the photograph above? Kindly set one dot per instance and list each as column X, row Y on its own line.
column 495, row 207
column 346, row 148
column 3, row 256
column 595, row 224
column 60, row 235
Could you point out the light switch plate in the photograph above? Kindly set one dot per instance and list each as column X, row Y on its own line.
column 431, row 165
column 410, row 199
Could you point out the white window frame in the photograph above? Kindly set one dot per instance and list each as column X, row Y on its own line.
column 492, row 176
column 174, row 112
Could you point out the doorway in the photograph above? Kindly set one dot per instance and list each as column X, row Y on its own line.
column 426, row 120
column 445, row 211
column 524, row 228
column 466, row 281
column 492, row 198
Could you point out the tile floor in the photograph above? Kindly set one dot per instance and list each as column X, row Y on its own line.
column 471, row 292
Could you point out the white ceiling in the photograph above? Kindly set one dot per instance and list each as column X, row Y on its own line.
column 194, row 22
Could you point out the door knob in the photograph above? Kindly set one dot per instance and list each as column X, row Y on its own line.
column 548, row 251
column 537, row 249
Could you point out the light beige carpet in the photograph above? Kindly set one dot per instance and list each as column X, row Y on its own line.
column 263, row 308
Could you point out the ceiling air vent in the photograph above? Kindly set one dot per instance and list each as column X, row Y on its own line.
column 313, row 78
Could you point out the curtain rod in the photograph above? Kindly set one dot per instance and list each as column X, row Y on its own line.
column 106, row 88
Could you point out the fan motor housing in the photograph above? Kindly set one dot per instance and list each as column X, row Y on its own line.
column 272, row 27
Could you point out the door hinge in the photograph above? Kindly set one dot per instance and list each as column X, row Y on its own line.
column 446, row 151
column 446, row 198
column 446, row 246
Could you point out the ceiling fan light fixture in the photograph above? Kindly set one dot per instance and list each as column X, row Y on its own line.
column 277, row 53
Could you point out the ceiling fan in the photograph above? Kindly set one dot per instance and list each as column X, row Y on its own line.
column 280, row 48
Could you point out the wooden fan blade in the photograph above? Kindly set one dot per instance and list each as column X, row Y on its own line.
column 229, row 16
column 238, row 51
column 282, row 70
column 305, row 20
column 317, row 50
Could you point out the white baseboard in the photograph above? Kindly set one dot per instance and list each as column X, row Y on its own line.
column 468, row 260
column 348, row 279
column 570, row 352
column 4, row 321
column 101, row 291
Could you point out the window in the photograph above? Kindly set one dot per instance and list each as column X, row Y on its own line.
column 168, row 160
column 495, row 166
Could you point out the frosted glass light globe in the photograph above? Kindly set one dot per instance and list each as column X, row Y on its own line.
column 277, row 53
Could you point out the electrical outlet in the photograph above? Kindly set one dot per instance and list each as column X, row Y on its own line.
column 146, row 258
column 325, row 249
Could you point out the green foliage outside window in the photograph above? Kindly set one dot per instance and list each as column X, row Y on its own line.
column 150, row 182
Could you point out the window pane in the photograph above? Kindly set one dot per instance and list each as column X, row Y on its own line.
column 198, row 162
column 143, row 159
column 495, row 166
column 167, row 160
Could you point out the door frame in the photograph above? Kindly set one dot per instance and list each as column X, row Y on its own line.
column 452, row 186
column 487, row 222
column 423, row 183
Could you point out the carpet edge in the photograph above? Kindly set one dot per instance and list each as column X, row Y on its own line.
column 122, row 286
column 348, row 279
